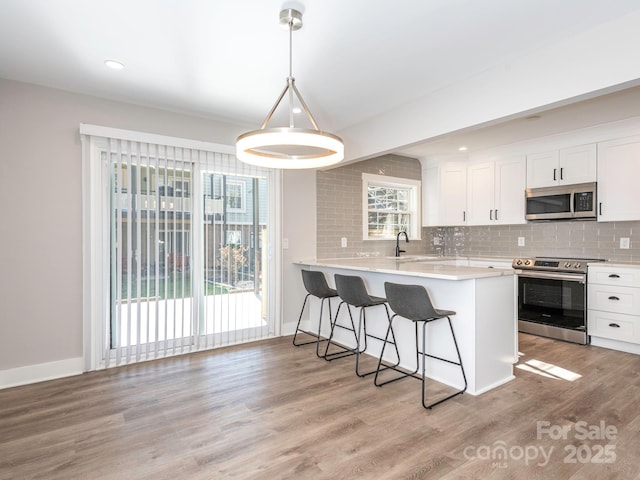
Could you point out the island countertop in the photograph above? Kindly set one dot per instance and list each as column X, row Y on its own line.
column 443, row 268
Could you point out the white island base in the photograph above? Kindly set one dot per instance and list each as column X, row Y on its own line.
column 484, row 323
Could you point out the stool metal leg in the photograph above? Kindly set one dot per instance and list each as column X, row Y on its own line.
column 422, row 363
column 363, row 319
column 343, row 351
column 320, row 326
column 459, row 363
column 317, row 336
column 298, row 329
column 382, row 366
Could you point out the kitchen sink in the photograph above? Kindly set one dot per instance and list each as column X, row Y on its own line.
column 414, row 258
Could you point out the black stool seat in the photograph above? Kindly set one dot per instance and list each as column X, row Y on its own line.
column 353, row 293
column 316, row 285
column 413, row 303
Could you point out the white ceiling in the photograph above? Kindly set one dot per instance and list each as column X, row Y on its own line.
column 600, row 110
column 228, row 59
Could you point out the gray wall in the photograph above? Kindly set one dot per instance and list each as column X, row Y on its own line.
column 41, row 194
column 299, row 206
column 339, row 194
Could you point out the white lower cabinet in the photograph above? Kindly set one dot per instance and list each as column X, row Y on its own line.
column 616, row 326
column 614, row 298
column 613, row 301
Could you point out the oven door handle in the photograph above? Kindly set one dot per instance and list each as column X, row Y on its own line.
column 552, row 276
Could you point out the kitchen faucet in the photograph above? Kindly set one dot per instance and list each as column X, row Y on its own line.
column 398, row 251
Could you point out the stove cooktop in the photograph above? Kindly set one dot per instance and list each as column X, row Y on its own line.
column 555, row 264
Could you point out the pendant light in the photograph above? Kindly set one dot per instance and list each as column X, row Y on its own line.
column 290, row 147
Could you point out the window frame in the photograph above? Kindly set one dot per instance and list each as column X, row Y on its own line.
column 414, row 187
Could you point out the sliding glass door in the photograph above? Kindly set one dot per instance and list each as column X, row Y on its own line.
column 151, row 242
column 185, row 254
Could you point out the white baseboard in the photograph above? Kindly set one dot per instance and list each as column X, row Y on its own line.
column 615, row 345
column 492, row 386
column 40, row 372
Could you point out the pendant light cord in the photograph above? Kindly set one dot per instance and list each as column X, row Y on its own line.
column 291, row 48
column 290, row 79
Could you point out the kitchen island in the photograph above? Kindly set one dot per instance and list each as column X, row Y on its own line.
column 485, row 321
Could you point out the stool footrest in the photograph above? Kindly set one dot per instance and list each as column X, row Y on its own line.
column 403, row 373
column 337, row 355
column 441, row 359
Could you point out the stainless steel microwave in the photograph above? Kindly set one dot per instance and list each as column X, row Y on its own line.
column 563, row 202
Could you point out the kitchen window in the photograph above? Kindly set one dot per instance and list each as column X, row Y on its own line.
column 390, row 205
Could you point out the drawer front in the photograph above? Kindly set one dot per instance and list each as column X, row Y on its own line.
column 614, row 325
column 603, row 275
column 614, row 299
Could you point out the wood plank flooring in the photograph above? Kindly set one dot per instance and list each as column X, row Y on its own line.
column 272, row 411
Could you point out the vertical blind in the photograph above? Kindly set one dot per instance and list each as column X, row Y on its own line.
column 188, row 257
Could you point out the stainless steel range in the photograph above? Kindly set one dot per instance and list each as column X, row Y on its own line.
column 552, row 297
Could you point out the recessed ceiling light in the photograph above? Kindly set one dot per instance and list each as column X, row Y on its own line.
column 114, row 64
column 462, row 148
column 297, row 110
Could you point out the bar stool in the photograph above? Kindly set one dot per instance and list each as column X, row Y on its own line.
column 316, row 285
column 413, row 303
column 353, row 293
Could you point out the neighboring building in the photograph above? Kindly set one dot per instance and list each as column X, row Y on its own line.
column 161, row 201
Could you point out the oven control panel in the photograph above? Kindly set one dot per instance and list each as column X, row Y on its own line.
column 553, row 264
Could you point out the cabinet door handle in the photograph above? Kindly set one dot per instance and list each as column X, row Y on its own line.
column 490, row 214
column 613, row 298
column 554, row 174
column 600, row 208
column 614, row 275
column 614, row 325
column 561, row 176
column 464, row 216
column 496, row 214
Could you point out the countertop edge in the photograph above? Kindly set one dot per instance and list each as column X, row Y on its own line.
column 462, row 272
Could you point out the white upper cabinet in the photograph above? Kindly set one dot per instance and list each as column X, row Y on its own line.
column 480, row 193
column 510, row 183
column 562, row 167
column 542, row 169
column 495, row 191
column 453, row 194
column 444, row 194
column 618, row 174
column 578, row 164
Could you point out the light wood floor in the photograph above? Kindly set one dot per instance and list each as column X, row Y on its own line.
column 273, row 411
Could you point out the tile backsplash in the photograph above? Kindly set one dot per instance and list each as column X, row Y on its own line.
column 581, row 239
